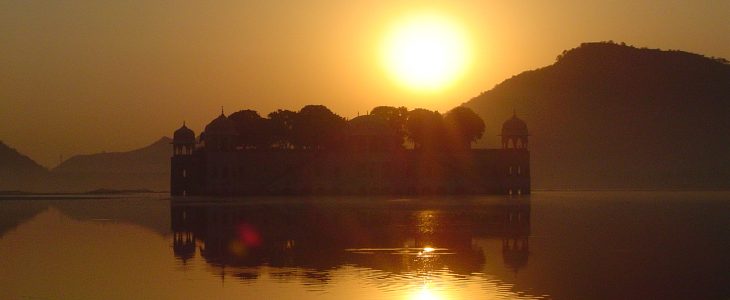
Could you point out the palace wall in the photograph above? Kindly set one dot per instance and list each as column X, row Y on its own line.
column 298, row 172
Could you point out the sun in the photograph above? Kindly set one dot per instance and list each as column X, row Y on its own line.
column 426, row 52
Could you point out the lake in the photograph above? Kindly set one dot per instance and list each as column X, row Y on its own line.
column 550, row 245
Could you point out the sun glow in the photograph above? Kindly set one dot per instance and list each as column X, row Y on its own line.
column 426, row 52
column 425, row 293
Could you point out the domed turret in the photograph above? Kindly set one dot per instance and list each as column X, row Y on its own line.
column 184, row 135
column 183, row 141
column 221, row 125
column 220, row 134
column 514, row 126
column 183, row 145
column 514, row 133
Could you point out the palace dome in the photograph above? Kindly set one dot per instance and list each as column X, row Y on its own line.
column 183, row 135
column 221, row 126
column 514, row 126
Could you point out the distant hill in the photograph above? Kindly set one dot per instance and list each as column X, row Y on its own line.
column 17, row 171
column 145, row 168
column 613, row 116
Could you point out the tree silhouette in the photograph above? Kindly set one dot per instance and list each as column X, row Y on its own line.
column 385, row 128
column 281, row 124
column 316, row 127
column 375, row 132
column 425, row 129
column 396, row 119
column 253, row 131
column 464, row 126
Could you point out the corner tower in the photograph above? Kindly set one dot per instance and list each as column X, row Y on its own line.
column 514, row 166
column 181, row 165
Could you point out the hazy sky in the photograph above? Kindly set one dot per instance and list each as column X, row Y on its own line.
column 86, row 76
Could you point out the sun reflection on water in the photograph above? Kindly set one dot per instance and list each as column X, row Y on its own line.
column 421, row 254
column 426, row 293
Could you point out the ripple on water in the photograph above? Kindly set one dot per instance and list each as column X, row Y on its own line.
column 424, row 282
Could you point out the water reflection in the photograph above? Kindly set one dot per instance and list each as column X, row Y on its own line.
column 307, row 240
column 577, row 245
column 425, row 293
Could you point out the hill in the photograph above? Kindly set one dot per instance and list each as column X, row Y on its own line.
column 145, row 168
column 17, row 171
column 614, row 116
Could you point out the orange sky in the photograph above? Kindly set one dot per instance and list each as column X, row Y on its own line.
column 86, row 76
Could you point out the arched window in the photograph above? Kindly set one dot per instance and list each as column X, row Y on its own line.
column 519, row 170
column 185, row 173
column 510, row 170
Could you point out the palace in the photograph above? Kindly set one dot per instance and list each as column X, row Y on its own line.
column 212, row 164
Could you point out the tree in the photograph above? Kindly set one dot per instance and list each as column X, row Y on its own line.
column 281, row 123
column 373, row 132
column 425, row 129
column 396, row 119
column 316, row 127
column 464, row 126
column 253, row 131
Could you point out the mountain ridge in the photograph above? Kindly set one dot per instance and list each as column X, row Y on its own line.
column 607, row 115
column 18, row 171
column 130, row 160
column 9, row 156
column 143, row 168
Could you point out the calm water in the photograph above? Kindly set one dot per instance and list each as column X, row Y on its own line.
column 552, row 245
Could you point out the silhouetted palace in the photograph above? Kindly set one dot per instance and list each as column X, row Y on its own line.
column 212, row 164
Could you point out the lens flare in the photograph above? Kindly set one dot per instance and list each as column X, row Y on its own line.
column 248, row 235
